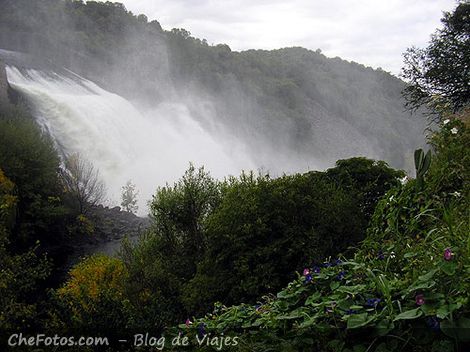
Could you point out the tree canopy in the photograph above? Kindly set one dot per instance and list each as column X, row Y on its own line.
column 439, row 76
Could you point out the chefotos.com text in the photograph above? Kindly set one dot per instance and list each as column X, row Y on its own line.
column 17, row 340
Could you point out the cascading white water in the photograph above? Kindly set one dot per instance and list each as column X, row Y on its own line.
column 150, row 147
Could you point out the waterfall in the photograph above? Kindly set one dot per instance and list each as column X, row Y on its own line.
column 150, row 147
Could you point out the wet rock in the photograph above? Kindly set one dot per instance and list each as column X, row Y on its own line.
column 111, row 226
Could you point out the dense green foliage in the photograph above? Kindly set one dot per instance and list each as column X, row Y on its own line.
column 367, row 180
column 28, row 158
column 21, row 272
column 251, row 233
column 264, row 229
column 439, row 74
column 407, row 287
column 227, row 241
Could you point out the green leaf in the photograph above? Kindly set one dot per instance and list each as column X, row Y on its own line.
column 426, row 162
column 419, row 285
column 247, row 325
column 443, row 311
column 354, row 307
column 309, row 322
column 419, row 156
column 409, row 314
column 358, row 320
column 464, row 323
column 295, row 314
column 383, row 327
column 383, row 284
column 353, row 290
column 428, row 275
column 429, row 309
column 449, row 267
column 459, row 329
column 359, row 348
column 336, row 345
column 312, row 298
column 334, row 285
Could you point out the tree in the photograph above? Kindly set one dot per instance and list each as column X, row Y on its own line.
column 27, row 155
column 264, row 230
column 154, row 283
column 180, row 211
column 20, row 273
column 83, row 182
column 29, row 160
column 167, row 257
column 129, row 197
column 439, row 75
column 366, row 179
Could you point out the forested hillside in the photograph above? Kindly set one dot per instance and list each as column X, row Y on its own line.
column 313, row 105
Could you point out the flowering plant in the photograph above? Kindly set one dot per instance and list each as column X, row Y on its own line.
column 407, row 286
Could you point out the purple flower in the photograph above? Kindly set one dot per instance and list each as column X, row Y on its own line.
column 327, row 265
column 420, row 299
column 306, row 272
column 448, row 254
column 373, row 302
column 341, row 276
column 188, row 322
column 201, row 330
column 381, row 256
column 433, row 323
column 316, row 270
column 338, row 262
column 308, row 279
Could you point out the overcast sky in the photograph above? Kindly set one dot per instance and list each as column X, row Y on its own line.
column 371, row 32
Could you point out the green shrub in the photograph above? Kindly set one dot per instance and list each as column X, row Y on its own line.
column 93, row 298
column 265, row 228
column 153, row 287
column 244, row 237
